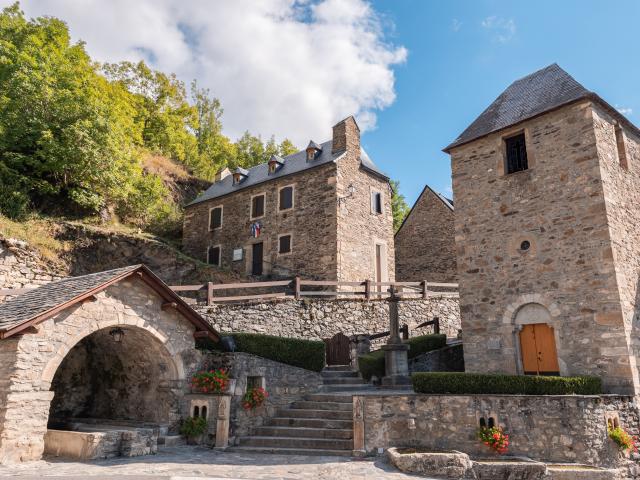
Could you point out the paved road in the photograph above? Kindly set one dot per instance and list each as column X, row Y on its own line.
column 191, row 463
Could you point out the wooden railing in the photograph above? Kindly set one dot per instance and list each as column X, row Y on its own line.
column 295, row 288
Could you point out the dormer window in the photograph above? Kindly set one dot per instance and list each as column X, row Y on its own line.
column 275, row 163
column 240, row 175
column 313, row 151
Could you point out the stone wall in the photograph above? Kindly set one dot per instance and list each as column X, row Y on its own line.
column 425, row 244
column 21, row 267
column 284, row 384
column 568, row 273
column 570, row 429
column 317, row 319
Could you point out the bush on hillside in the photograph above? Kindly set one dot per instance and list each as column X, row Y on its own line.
column 474, row 383
column 307, row 354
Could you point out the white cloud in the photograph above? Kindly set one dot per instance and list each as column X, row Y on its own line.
column 456, row 25
column 503, row 29
column 288, row 67
column 624, row 110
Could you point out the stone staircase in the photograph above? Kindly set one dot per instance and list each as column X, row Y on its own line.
column 321, row 424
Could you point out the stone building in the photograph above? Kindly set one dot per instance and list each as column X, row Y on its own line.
column 321, row 213
column 546, row 184
column 424, row 243
column 116, row 345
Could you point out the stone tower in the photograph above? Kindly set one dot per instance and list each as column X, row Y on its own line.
column 546, row 185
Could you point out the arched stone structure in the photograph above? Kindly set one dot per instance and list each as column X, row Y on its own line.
column 29, row 361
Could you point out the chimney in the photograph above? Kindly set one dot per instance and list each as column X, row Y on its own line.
column 346, row 136
column 222, row 174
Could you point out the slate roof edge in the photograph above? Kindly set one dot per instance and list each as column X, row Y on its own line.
column 146, row 275
column 266, row 180
column 384, row 176
column 594, row 97
column 426, row 187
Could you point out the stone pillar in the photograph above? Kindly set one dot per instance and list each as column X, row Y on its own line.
column 24, row 418
column 222, row 421
column 359, row 449
column 395, row 352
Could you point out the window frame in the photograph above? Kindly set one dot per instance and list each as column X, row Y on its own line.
column 293, row 197
column 505, row 142
column 209, row 248
column 221, row 207
column 621, row 146
column 372, row 204
column 264, row 206
column 290, row 235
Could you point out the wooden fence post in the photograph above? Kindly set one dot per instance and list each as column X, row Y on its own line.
column 436, row 325
column 405, row 332
column 425, row 290
column 296, row 286
column 367, row 289
column 209, row 293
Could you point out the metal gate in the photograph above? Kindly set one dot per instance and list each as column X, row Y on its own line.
column 338, row 351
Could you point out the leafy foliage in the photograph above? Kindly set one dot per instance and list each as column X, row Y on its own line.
column 622, row 438
column 193, row 427
column 73, row 133
column 494, row 438
column 254, row 397
column 475, row 383
column 399, row 207
column 213, row 381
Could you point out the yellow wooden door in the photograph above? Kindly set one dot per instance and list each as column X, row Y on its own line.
column 538, row 350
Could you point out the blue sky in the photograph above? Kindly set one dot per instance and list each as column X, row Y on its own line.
column 463, row 54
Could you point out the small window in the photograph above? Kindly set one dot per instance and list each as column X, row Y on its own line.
column 255, row 382
column 284, row 244
column 621, row 146
column 215, row 218
column 376, row 203
column 273, row 166
column 286, row 198
column 213, row 256
column 516, row 154
column 257, row 206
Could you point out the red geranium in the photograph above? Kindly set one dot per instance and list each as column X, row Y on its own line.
column 254, row 398
column 494, row 438
column 213, row 381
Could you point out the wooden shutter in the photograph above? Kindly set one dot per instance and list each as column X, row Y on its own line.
column 257, row 206
column 286, row 198
column 284, row 244
column 215, row 220
column 516, row 154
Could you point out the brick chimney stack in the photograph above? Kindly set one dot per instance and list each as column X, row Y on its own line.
column 346, row 136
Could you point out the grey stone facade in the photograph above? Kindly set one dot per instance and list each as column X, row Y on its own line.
column 571, row 429
column 318, row 319
column 333, row 232
column 576, row 207
column 425, row 243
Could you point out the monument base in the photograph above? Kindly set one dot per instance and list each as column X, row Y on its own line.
column 396, row 366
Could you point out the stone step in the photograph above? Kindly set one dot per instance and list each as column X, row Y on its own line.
column 307, row 413
column 340, row 374
column 329, row 397
column 306, row 432
column 311, row 405
column 291, row 451
column 337, row 368
column 341, row 380
column 296, row 442
column 171, row 440
column 309, row 422
column 354, row 387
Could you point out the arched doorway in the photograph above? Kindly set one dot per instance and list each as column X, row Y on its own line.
column 120, row 375
column 538, row 354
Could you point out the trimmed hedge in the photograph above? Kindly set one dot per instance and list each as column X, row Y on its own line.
column 475, row 383
column 307, row 354
column 373, row 363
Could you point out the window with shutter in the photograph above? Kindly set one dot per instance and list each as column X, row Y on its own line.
column 285, row 201
column 516, row 154
column 376, row 203
column 215, row 218
column 257, row 206
column 284, row 244
column 213, row 256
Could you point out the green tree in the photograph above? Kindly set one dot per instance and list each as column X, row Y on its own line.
column 399, row 206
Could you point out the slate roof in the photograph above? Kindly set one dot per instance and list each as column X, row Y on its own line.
column 293, row 163
column 41, row 300
column 537, row 93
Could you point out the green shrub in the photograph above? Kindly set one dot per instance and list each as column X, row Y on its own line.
column 475, row 383
column 373, row 363
column 193, row 427
column 307, row 354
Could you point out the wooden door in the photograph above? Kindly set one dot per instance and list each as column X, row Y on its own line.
column 256, row 259
column 538, row 350
column 379, row 266
column 337, row 350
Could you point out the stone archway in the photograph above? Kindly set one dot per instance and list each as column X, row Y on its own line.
column 535, row 339
column 133, row 380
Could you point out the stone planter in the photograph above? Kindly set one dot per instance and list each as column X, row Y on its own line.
column 230, row 390
column 509, row 467
column 433, row 464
